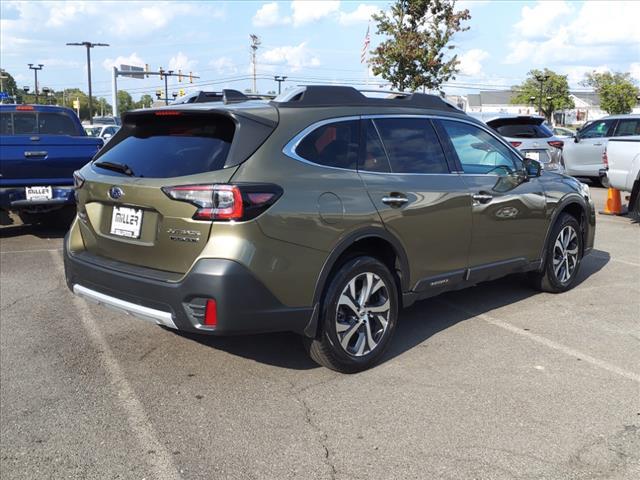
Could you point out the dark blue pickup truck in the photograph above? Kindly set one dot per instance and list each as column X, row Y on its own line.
column 40, row 148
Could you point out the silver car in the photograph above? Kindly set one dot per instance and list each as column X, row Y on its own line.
column 529, row 135
column 583, row 155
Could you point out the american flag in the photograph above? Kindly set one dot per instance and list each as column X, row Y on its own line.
column 365, row 47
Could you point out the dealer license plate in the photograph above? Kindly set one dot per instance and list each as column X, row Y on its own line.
column 126, row 222
column 38, row 193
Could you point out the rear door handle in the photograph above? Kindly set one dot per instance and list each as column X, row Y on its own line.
column 482, row 197
column 41, row 153
column 394, row 201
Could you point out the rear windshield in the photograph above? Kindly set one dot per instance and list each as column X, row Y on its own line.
column 45, row 123
column 519, row 128
column 170, row 146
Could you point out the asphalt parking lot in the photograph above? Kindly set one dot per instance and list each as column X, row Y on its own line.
column 493, row 382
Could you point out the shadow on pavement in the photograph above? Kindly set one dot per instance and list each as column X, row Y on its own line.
column 417, row 323
column 39, row 231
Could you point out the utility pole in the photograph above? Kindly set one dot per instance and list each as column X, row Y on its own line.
column 255, row 43
column 541, row 78
column 279, row 79
column 89, row 46
column 35, row 73
column 166, row 86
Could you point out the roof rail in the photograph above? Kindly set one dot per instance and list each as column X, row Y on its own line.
column 333, row 96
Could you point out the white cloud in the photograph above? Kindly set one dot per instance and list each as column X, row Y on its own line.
column 359, row 15
column 471, row 62
column 539, row 21
column 306, row 11
column 634, row 69
column 294, row 57
column 268, row 15
column 575, row 74
column 598, row 30
column 181, row 62
column 224, row 66
column 132, row 59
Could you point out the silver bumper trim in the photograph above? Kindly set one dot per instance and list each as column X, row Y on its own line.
column 145, row 313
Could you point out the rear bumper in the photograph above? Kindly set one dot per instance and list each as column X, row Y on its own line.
column 244, row 305
column 14, row 198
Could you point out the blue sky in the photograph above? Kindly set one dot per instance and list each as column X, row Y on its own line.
column 304, row 40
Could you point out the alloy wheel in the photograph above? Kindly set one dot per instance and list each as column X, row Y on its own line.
column 565, row 254
column 362, row 314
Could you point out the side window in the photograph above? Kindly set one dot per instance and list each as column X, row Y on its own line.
column 478, row 151
column 56, row 124
column 332, row 145
column 5, row 123
column 375, row 158
column 412, row 145
column 597, row 129
column 628, row 127
column 24, row 123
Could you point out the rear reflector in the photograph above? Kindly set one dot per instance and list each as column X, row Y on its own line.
column 25, row 107
column 211, row 313
column 556, row 144
column 515, row 144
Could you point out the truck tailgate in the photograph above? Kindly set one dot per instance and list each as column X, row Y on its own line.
column 44, row 159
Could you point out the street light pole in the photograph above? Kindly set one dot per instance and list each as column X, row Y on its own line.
column 89, row 46
column 541, row 78
column 279, row 79
column 35, row 72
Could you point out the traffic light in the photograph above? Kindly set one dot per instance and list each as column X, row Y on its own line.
column 181, row 92
column 158, row 94
column 161, row 74
column 190, row 77
column 179, row 75
column 146, row 69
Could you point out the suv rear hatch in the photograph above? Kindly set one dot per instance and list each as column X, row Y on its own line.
column 125, row 214
column 529, row 135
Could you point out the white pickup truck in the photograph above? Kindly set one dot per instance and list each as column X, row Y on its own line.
column 622, row 160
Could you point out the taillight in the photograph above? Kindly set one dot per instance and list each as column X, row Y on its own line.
column 556, row 144
column 78, row 180
column 605, row 159
column 515, row 144
column 211, row 313
column 225, row 202
column 167, row 113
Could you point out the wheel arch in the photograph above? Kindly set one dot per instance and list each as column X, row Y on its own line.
column 573, row 205
column 376, row 241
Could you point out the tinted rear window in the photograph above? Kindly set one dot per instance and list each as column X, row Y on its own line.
column 412, row 145
column 163, row 147
column 628, row 127
column 333, row 145
column 45, row 123
column 524, row 131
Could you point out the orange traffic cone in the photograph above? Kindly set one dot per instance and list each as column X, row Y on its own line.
column 614, row 204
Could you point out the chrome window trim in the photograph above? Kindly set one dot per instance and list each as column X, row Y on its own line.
column 290, row 148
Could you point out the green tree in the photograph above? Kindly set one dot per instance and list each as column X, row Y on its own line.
column 125, row 102
column 145, row 101
column 553, row 96
column 419, row 34
column 8, row 84
column 617, row 91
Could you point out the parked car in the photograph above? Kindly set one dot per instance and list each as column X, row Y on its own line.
column 583, row 156
column 529, row 135
column 322, row 212
column 106, row 121
column 622, row 169
column 563, row 133
column 103, row 131
column 40, row 146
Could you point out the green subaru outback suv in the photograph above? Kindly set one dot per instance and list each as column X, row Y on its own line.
column 322, row 212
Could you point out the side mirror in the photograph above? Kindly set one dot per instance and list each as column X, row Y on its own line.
column 533, row 167
column 576, row 138
column 106, row 136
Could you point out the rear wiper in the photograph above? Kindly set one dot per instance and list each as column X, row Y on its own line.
column 117, row 167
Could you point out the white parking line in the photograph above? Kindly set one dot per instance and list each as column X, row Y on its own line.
column 161, row 461
column 549, row 343
column 7, row 252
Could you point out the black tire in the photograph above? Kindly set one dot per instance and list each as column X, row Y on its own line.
column 634, row 210
column 327, row 349
column 548, row 280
